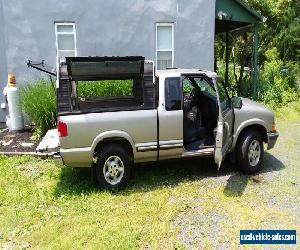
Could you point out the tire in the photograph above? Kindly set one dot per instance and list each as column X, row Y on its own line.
column 113, row 167
column 250, row 152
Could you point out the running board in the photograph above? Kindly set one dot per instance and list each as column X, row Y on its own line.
column 200, row 152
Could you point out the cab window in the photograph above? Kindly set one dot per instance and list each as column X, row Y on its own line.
column 173, row 94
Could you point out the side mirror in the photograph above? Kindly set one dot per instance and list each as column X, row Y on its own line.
column 236, row 102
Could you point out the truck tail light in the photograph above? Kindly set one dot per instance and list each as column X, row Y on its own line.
column 62, row 129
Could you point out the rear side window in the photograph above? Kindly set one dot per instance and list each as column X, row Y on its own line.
column 94, row 95
column 173, row 93
column 104, row 88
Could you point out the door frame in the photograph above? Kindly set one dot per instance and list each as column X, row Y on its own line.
column 169, row 148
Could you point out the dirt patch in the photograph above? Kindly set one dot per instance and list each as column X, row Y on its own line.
column 18, row 141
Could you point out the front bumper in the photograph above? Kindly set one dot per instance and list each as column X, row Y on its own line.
column 272, row 138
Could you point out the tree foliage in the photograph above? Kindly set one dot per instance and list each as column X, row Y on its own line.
column 279, row 53
column 281, row 28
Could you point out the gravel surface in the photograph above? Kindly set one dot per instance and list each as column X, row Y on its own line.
column 232, row 201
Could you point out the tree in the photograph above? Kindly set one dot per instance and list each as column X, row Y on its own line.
column 281, row 29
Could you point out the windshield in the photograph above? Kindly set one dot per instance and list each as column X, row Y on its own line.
column 223, row 94
column 208, row 89
column 206, row 86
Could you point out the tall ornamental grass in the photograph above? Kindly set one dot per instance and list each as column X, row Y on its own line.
column 38, row 100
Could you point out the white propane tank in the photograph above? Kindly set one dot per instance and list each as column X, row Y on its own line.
column 14, row 106
column 8, row 123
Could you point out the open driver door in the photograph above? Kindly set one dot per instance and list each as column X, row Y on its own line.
column 224, row 134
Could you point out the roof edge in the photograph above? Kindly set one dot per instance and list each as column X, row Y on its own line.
column 248, row 8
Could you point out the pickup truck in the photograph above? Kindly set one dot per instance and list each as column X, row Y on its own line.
column 169, row 114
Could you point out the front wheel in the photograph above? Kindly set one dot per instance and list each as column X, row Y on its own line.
column 113, row 167
column 250, row 152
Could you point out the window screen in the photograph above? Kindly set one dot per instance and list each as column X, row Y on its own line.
column 164, row 45
column 173, row 93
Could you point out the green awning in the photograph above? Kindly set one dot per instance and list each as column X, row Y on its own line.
column 234, row 14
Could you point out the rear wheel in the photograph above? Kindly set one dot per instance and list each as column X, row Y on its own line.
column 113, row 167
column 250, row 152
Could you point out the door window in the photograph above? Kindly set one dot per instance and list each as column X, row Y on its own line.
column 209, row 90
column 224, row 98
column 206, row 88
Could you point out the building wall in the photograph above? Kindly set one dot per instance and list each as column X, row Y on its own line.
column 123, row 27
column 3, row 69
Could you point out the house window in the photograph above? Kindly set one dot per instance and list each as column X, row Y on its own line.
column 164, row 45
column 65, row 40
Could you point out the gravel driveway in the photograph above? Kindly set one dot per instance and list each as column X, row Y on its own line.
column 230, row 201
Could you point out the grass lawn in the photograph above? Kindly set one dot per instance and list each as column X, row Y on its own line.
column 181, row 204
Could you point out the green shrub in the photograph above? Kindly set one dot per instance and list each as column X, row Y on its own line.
column 38, row 102
column 278, row 81
column 104, row 88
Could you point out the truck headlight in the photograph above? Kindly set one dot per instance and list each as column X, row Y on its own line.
column 273, row 127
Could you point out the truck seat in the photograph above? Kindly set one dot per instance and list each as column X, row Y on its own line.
column 193, row 131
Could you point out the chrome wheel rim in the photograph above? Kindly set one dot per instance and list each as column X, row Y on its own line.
column 254, row 153
column 113, row 170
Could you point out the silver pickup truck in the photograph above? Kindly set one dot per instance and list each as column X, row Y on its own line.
column 169, row 114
